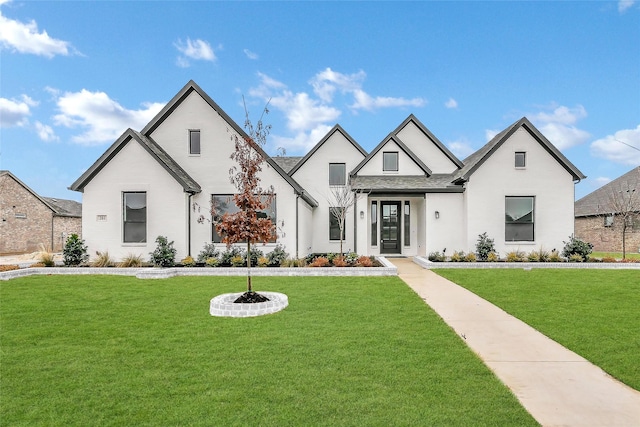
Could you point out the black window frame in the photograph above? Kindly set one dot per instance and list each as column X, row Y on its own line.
column 520, row 155
column 374, row 223
column 514, row 226
column 193, row 149
column 128, row 220
column 334, row 227
column 341, row 174
column 384, row 163
column 406, row 217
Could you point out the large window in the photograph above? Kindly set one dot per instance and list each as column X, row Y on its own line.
column 134, row 217
column 334, row 224
column 374, row 223
column 519, row 219
column 337, row 174
column 194, row 142
column 390, row 161
column 223, row 203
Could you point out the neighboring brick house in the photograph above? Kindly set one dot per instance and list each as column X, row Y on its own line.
column 599, row 221
column 28, row 220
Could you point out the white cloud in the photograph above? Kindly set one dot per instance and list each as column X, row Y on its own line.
column 102, row 118
column 45, row 132
column 489, row 134
column 193, row 49
column 301, row 142
column 251, row 55
column 461, row 149
column 15, row 112
column 600, row 181
column 363, row 101
column 558, row 125
column 616, row 147
column 451, row 103
column 26, row 38
column 623, row 5
column 302, row 112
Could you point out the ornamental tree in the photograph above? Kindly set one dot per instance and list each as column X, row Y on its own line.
column 249, row 224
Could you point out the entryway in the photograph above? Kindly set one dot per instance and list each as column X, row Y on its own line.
column 390, row 227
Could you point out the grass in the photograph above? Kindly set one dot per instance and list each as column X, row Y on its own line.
column 592, row 312
column 93, row 350
column 616, row 255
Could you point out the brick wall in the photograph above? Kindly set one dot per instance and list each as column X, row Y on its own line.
column 607, row 239
column 63, row 227
column 25, row 221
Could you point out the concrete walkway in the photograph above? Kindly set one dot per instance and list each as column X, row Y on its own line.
column 558, row 387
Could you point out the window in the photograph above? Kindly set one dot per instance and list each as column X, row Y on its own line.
column 374, row 223
column 521, row 159
column 608, row 221
column 407, row 223
column 337, row 174
column 519, row 219
column 390, row 161
column 134, row 217
column 194, row 142
column 334, row 225
column 223, row 203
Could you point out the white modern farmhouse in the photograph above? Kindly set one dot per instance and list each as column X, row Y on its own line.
column 413, row 195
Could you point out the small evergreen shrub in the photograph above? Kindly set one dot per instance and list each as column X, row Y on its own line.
column 277, row 256
column 255, row 255
column 74, row 251
column 436, row 257
column 230, row 253
column 576, row 246
column 165, row 254
column 208, row 251
column 131, row 260
column 493, row 257
column 188, row 261
column 212, row 262
column 484, row 246
column 351, row 258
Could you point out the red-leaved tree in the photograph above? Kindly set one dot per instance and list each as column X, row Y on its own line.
column 249, row 224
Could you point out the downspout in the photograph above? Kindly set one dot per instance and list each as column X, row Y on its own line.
column 189, row 224
column 355, row 224
column 297, row 234
column 52, row 242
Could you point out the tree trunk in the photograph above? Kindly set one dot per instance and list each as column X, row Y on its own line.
column 249, row 266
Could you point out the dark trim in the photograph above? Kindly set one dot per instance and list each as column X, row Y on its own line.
column 414, row 192
column 403, row 147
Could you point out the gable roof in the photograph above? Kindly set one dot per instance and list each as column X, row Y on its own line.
column 596, row 202
column 475, row 160
column 59, row 207
column 165, row 160
column 336, row 128
column 413, row 119
column 287, row 162
column 403, row 147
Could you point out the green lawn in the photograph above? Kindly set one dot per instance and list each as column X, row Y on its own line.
column 595, row 313
column 102, row 350
column 616, row 255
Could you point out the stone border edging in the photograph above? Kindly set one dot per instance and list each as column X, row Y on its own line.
column 425, row 263
column 223, row 305
column 388, row 269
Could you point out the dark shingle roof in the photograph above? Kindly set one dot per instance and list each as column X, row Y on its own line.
column 598, row 201
column 436, row 183
column 64, row 207
column 287, row 162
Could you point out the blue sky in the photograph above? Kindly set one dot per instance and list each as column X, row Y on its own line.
column 75, row 75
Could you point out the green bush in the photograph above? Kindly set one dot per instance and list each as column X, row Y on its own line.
column 256, row 254
column 493, row 257
column 351, row 258
column 229, row 254
column 436, row 257
column 212, row 262
column 484, row 246
column 457, row 256
column 208, row 251
column 165, row 254
column 576, row 246
column 277, row 256
column 74, row 251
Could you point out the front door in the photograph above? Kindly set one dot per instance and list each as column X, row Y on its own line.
column 390, row 227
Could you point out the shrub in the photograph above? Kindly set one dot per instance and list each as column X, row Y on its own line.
column 277, row 256
column 340, row 261
column 608, row 259
column 533, row 256
column 102, row 260
column 576, row 246
column 238, row 261
column 493, row 257
column 255, row 255
column 165, row 254
column 516, row 256
column 457, row 256
column 188, row 261
column 229, row 254
column 351, row 258
column 471, row 257
column 208, row 251
column 9, row 267
column 46, row 257
column 131, row 260
column 212, row 262
column 74, row 251
column 576, row 258
column 320, row 262
column 436, row 257
column 554, row 256
column 263, row 261
column 484, row 246
column 365, row 261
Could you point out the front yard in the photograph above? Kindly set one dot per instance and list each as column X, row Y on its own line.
column 96, row 350
column 595, row 313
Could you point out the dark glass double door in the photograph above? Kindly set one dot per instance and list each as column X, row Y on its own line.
column 390, row 228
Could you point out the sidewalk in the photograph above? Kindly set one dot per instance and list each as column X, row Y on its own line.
column 557, row 386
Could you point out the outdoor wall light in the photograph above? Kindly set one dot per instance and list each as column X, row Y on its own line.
column 437, row 214
column 361, row 214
